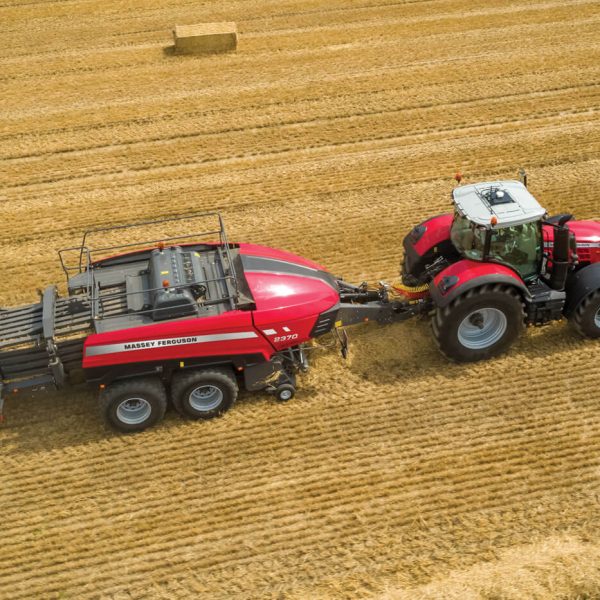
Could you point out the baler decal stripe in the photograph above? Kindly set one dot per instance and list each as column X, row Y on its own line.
column 259, row 264
column 168, row 342
column 264, row 263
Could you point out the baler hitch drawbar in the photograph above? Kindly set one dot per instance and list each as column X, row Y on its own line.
column 360, row 304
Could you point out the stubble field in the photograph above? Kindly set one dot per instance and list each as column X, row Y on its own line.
column 335, row 127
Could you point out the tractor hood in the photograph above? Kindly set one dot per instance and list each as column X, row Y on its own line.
column 285, row 285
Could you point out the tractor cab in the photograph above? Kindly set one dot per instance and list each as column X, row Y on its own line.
column 499, row 222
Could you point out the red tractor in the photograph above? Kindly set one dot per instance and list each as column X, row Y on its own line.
column 190, row 321
column 499, row 263
column 482, row 273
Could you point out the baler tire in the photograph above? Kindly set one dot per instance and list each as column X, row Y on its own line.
column 149, row 395
column 507, row 306
column 216, row 388
column 285, row 392
column 586, row 318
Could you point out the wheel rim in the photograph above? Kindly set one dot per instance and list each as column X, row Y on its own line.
column 134, row 411
column 285, row 394
column 482, row 328
column 597, row 319
column 206, row 398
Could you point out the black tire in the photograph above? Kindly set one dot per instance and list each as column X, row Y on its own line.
column 133, row 404
column 586, row 317
column 480, row 324
column 204, row 393
column 285, row 392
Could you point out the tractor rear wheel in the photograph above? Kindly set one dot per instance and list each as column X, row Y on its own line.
column 586, row 317
column 204, row 393
column 480, row 324
column 134, row 404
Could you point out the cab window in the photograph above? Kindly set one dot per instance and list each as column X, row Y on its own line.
column 519, row 246
column 467, row 237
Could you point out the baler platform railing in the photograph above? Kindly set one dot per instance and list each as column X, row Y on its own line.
column 80, row 268
column 91, row 252
column 110, row 303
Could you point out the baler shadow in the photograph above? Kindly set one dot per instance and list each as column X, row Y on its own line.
column 45, row 421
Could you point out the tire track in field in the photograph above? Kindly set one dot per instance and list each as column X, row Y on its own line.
column 326, row 139
column 494, row 100
column 98, row 87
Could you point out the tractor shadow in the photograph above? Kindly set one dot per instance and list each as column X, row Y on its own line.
column 407, row 352
column 392, row 353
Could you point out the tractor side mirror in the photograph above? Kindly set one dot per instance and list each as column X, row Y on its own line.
column 564, row 219
column 559, row 220
column 561, row 265
column 523, row 177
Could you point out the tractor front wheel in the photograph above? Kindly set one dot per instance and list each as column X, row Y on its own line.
column 480, row 324
column 586, row 317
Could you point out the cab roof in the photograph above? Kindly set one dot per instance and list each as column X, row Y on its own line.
column 509, row 201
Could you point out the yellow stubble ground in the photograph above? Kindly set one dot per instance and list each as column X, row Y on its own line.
column 334, row 128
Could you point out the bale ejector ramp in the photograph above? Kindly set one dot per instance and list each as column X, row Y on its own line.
column 41, row 342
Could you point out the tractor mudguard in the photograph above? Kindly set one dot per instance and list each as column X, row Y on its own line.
column 466, row 274
column 580, row 284
column 425, row 242
column 430, row 233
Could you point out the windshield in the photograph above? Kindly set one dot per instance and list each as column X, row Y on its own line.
column 519, row 246
column 468, row 238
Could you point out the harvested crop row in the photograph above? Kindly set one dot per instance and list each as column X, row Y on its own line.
column 333, row 130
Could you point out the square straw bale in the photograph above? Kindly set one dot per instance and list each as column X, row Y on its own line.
column 205, row 38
